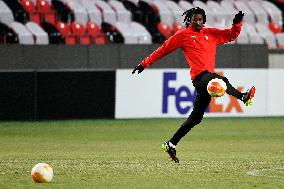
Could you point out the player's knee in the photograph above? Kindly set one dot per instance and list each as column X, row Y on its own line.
column 197, row 118
column 225, row 79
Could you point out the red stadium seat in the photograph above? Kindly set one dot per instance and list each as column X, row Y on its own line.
column 50, row 17
column 100, row 39
column 164, row 29
column 176, row 27
column 28, row 5
column 85, row 39
column 275, row 28
column 71, row 39
column 43, row 6
column 35, row 16
column 93, row 29
column 63, row 28
column 77, row 29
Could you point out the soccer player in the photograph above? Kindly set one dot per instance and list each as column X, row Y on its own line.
column 199, row 48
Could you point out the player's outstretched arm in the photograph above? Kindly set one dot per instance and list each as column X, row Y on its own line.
column 138, row 68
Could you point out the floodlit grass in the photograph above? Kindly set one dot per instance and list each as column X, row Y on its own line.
column 220, row 153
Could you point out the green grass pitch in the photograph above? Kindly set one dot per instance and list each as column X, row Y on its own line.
column 219, row 153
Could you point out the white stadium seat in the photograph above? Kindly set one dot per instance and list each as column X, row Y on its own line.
column 24, row 35
column 94, row 13
column 81, row 15
column 265, row 33
column 223, row 17
column 123, row 15
column 6, row 15
column 41, row 37
column 144, row 37
column 260, row 13
column 109, row 15
column 165, row 14
column 274, row 12
column 127, row 33
column 176, row 11
column 185, row 5
column 280, row 39
column 254, row 36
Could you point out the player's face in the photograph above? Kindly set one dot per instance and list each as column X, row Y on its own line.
column 197, row 21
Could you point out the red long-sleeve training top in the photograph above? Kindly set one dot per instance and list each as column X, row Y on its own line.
column 199, row 48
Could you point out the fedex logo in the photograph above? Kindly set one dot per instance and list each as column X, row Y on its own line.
column 182, row 94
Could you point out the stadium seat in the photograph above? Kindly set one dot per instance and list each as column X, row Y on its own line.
column 176, row 11
column 274, row 27
column 53, row 33
column 95, row 15
column 266, row 34
column 185, row 5
column 253, row 35
column 41, row 37
column 63, row 28
column 36, row 16
column 259, row 11
column 96, row 34
column 107, row 12
column 137, row 14
column 111, row 32
column 93, row 29
column 162, row 10
column 165, row 30
column 6, row 15
column 123, row 15
column 64, row 13
column 274, row 12
column 19, row 13
column 143, row 36
column 176, row 27
column 77, row 28
column 43, row 6
column 82, row 36
column 126, row 31
column 223, row 17
column 24, row 35
column 280, row 40
column 50, row 17
column 7, row 34
column 80, row 13
column 28, row 5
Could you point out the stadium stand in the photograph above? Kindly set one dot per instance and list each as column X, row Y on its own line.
column 134, row 21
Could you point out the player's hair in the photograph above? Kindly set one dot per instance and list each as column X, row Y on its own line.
column 189, row 13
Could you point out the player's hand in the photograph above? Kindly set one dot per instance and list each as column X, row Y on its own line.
column 238, row 17
column 139, row 67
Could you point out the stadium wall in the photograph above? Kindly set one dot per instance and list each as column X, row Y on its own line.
column 111, row 57
column 44, row 95
column 77, row 82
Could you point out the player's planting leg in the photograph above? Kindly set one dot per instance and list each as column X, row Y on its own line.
column 200, row 105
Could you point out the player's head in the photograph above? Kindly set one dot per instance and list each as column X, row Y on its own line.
column 195, row 17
